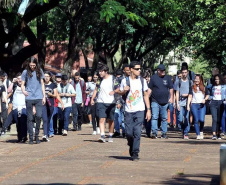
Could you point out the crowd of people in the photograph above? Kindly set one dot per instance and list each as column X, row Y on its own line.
column 129, row 101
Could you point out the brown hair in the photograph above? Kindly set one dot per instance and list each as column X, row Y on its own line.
column 201, row 84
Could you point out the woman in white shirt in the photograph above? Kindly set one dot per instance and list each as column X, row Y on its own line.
column 197, row 103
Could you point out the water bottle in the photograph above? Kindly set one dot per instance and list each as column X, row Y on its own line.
column 48, row 101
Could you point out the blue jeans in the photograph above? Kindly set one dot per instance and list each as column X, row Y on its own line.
column 223, row 119
column 47, row 113
column 21, row 123
column 184, row 120
column 171, row 108
column 177, row 119
column 53, row 121
column 155, row 110
column 119, row 120
column 64, row 117
column 198, row 111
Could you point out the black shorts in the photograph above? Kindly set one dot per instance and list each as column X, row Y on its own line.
column 106, row 110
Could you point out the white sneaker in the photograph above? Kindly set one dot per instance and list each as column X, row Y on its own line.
column 110, row 140
column 201, row 135
column 64, row 133
column 101, row 140
column 94, row 133
column 198, row 137
column 98, row 130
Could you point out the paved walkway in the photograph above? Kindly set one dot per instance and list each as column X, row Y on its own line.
column 80, row 159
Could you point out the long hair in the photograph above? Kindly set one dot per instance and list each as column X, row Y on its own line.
column 201, row 84
column 37, row 68
column 220, row 79
column 50, row 74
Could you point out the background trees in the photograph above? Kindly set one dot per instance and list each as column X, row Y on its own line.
column 141, row 29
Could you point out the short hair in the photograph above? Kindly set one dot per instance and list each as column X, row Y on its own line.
column 102, row 67
column 2, row 73
column 49, row 73
column 184, row 68
column 134, row 63
column 125, row 65
column 184, row 64
column 178, row 72
column 77, row 74
column 146, row 74
column 18, row 74
column 119, row 72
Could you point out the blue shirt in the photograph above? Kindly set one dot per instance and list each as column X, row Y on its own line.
column 78, row 98
column 33, row 85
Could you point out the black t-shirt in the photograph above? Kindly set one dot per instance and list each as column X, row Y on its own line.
column 50, row 88
column 2, row 89
column 160, row 87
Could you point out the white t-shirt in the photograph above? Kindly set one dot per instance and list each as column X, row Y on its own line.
column 197, row 97
column 6, row 88
column 135, row 99
column 106, row 87
column 66, row 100
column 217, row 93
column 18, row 99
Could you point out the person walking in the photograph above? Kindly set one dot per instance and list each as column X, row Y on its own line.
column 34, row 89
column 136, row 90
column 196, row 102
column 161, row 89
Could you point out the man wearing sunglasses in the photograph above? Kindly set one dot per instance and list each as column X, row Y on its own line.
column 161, row 89
column 136, row 99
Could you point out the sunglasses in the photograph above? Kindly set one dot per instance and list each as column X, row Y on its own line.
column 137, row 69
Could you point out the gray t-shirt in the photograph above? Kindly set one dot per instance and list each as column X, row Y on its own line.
column 33, row 85
column 184, row 89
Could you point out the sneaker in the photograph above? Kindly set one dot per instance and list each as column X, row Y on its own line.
column 116, row 134
column 135, row 158
column 37, row 140
column 214, row 137
column 98, row 130
column 94, row 133
column 3, row 133
column 222, row 135
column 44, row 138
column 52, row 135
column 101, row 140
column 110, row 140
column 219, row 136
column 198, row 137
column 154, row 136
column 186, row 137
column 201, row 135
column 64, row 133
column 30, row 142
column 164, row 136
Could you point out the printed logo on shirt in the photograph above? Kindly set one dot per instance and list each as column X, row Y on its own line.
column 133, row 99
column 165, row 82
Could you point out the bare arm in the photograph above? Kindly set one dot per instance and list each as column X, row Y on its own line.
column 171, row 96
column 54, row 95
column 177, row 100
column 147, row 103
column 5, row 98
column 43, row 92
column 189, row 102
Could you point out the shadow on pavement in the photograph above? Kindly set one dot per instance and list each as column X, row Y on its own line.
column 61, row 184
column 120, row 157
column 195, row 142
column 94, row 141
column 199, row 179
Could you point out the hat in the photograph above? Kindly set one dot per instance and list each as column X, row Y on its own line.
column 64, row 77
column 161, row 67
column 58, row 75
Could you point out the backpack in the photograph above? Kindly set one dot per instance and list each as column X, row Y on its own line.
column 66, row 91
column 190, row 82
column 128, row 84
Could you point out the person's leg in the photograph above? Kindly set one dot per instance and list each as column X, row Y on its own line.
column 171, row 108
column 129, row 130
column 67, row 112
column 154, row 118
column 138, row 121
column 23, row 125
column 101, row 109
column 4, row 116
column 61, row 120
column 223, row 119
column 186, row 122
column 79, row 108
column 50, row 113
column 202, row 113
column 116, row 121
column 30, row 123
column 15, row 116
column 55, row 120
column 9, row 119
column 38, row 107
column 45, row 120
column 51, row 123
column 181, row 118
column 213, row 109
column 93, row 113
column 163, row 114
column 75, row 116
column 110, row 117
column 121, row 120
column 196, row 116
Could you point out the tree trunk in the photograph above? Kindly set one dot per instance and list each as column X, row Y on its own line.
column 109, row 62
column 41, row 37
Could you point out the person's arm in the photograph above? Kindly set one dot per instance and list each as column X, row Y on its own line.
column 72, row 92
column 94, row 96
column 43, row 92
column 60, row 100
column 177, row 100
column 147, row 103
column 23, row 88
column 54, row 95
column 10, row 88
column 5, row 98
column 189, row 102
column 171, row 96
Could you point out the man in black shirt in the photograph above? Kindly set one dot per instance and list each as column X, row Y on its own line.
column 161, row 94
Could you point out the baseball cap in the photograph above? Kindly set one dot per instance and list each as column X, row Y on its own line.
column 58, row 75
column 64, row 77
column 161, row 67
